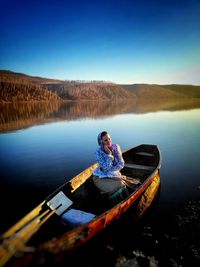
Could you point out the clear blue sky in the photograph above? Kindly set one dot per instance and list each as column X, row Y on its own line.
column 123, row 41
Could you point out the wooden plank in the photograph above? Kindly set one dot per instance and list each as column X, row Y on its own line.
column 131, row 180
column 137, row 166
column 145, row 154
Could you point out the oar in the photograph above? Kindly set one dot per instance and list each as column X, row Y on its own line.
column 17, row 242
column 15, row 239
column 34, row 213
column 131, row 182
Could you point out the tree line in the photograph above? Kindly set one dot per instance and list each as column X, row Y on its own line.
column 15, row 92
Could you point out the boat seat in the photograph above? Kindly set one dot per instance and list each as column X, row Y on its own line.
column 138, row 166
column 75, row 218
column 145, row 154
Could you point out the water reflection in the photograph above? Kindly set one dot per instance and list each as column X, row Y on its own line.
column 147, row 198
column 21, row 115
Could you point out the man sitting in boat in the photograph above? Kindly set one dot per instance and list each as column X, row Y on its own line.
column 107, row 177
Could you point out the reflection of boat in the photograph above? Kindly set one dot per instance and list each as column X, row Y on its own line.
column 147, row 197
column 75, row 212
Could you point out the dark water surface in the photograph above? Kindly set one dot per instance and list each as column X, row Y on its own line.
column 44, row 145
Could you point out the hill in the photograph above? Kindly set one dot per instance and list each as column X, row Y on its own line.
column 163, row 91
column 89, row 91
column 15, row 77
column 26, row 88
column 188, row 90
column 15, row 87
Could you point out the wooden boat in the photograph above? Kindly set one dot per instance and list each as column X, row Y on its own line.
column 76, row 211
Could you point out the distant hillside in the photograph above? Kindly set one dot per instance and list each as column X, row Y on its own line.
column 163, row 91
column 15, row 92
column 16, row 87
column 92, row 91
column 22, row 87
column 188, row 90
column 10, row 76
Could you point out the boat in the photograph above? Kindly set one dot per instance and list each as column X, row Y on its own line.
column 77, row 211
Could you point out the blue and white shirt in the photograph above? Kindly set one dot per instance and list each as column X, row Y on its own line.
column 109, row 165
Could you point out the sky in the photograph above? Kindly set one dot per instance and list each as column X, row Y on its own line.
column 121, row 41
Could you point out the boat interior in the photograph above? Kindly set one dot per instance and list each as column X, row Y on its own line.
column 139, row 165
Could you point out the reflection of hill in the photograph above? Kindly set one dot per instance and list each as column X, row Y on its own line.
column 150, row 105
column 18, row 116
column 96, row 109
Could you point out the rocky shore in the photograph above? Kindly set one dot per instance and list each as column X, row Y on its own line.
column 178, row 245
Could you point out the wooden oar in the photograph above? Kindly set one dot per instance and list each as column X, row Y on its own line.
column 23, row 221
column 17, row 242
column 131, row 182
column 15, row 239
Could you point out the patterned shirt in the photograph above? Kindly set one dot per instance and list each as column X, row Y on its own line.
column 109, row 165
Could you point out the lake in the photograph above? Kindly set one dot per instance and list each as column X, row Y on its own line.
column 44, row 145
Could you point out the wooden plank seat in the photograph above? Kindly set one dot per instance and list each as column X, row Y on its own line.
column 138, row 166
column 145, row 154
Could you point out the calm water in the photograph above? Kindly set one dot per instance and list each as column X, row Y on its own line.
column 42, row 146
